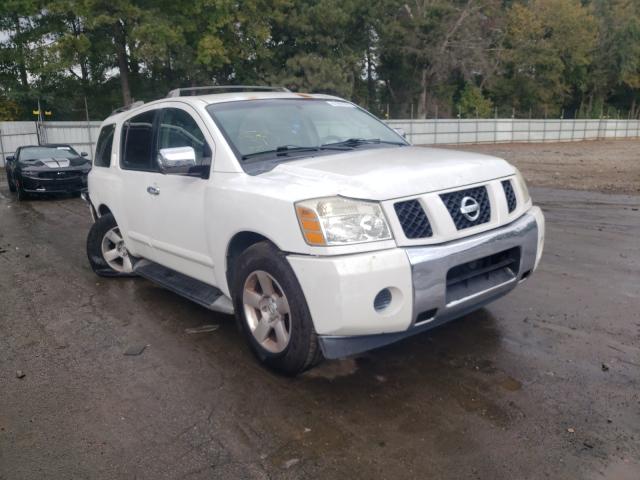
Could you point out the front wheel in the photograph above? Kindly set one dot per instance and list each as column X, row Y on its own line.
column 22, row 195
column 272, row 311
column 106, row 250
column 12, row 186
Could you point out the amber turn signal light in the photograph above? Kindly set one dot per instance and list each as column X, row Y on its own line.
column 310, row 226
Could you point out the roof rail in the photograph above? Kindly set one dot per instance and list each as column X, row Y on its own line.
column 127, row 107
column 190, row 91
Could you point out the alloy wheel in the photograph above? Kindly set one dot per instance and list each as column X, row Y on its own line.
column 267, row 311
column 115, row 252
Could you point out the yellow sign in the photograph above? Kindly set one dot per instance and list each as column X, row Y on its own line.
column 36, row 112
column 48, row 114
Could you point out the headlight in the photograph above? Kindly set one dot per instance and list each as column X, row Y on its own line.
column 340, row 221
column 523, row 187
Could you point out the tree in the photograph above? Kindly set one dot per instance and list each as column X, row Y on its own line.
column 548, row 47
column 428, row 42
column 474, row 104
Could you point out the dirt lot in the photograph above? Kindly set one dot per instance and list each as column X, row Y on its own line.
column 606, row 166
column 544, row 383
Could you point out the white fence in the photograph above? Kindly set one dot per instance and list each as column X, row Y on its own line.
column 456, row 131
column 83, row 135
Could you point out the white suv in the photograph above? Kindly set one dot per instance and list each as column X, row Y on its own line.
column 319, row 226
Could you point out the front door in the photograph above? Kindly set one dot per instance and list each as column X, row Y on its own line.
column 180, row 205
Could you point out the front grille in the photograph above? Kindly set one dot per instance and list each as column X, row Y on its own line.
column 60, row 174
column 509, row 194
column 482, row 274
column 413, row 220
column 453, row 202
column 57, row 185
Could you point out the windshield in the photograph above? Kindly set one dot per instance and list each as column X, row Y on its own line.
column 39, row 153
column 282, row 129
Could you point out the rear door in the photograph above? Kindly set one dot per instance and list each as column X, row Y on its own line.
column 179, row 214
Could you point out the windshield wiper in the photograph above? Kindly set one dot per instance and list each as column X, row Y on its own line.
column 282, row 150
column 355, row 142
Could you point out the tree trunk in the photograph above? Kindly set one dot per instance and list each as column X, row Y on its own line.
column 422, row 99
column 370, row 85
column 123, row 61
column 22, row 68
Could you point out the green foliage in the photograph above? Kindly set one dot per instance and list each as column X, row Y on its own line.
column 474, row 104
column 548, row 46
column 422, row 58
column 8, row 110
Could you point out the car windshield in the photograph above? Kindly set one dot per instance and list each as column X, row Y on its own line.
column 283, row 129
column 39, row 153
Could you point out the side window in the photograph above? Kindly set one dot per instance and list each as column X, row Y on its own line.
column 103, row 148
column 137, row 142
column 178, row 129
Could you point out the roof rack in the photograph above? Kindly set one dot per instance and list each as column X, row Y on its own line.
column 190, row 91
column 127, row 107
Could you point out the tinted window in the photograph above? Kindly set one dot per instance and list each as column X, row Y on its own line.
column 137, row 137
column 178, row 129
column 37, row 153
column 103, row 148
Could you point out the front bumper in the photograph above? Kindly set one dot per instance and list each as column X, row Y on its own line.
column 35, row 184
column 430, row 285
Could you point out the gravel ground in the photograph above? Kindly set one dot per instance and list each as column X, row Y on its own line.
column 543, row 383
column 605, row 166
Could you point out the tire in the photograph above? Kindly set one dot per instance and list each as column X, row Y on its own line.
column 302, row 350
column 22, row 195
column 12, row 186
column 104, row 239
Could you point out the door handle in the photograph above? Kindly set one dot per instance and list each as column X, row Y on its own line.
column 153, row 190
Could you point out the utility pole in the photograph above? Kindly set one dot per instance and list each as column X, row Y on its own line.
column 86, row 112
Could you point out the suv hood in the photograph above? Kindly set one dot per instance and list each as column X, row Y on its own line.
column 387, row 173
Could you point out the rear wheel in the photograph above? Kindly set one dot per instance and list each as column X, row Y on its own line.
column 106, row 249
column 273, row 312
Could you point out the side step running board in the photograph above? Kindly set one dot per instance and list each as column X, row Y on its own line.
column 195, row 290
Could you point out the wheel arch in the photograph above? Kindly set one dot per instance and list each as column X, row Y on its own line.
column 236, row 246
column 103, row 210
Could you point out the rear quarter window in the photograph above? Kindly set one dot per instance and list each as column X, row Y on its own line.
column 103, row 148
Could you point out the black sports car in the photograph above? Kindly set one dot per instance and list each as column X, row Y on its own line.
column 51, row 168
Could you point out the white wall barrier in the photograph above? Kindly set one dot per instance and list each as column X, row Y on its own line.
column 455, row 131
column 83, row 135
column 80, row 135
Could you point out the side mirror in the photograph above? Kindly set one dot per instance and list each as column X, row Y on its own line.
column 401, row 132
column 84, row 154
column 178, row 160
column 10, row 158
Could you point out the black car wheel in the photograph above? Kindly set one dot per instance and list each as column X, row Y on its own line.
column 22, row 195
column 272, row 311
column 12, row 186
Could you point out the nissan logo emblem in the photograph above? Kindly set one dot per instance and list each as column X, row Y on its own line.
column 470, row 208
